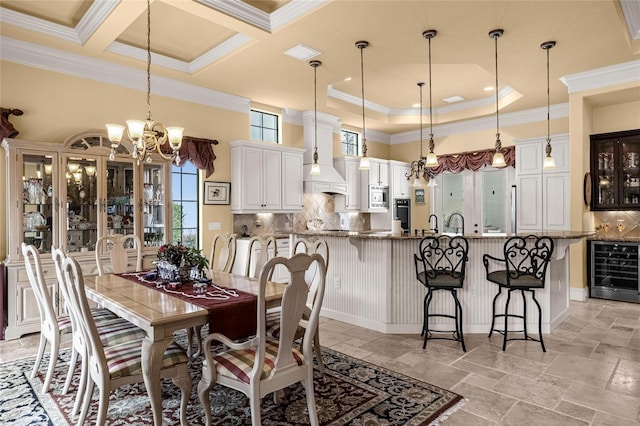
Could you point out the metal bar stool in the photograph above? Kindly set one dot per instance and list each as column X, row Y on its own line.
column 523, row 269
column 440, row 265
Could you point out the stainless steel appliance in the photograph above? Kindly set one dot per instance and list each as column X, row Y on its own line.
column 402, row 212
column 378, row 197
column 614, row 270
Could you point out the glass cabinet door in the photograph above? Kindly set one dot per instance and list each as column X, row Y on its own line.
column 82, row 207
column 119, row 191
column 153, row 202
column 606, row 179
column 630, row 157
column 38, row 201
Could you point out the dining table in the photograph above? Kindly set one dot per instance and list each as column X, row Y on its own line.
column 159, row 311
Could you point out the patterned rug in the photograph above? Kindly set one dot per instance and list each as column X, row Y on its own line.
column 351, row 392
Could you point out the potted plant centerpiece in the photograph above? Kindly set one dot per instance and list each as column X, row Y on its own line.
column 177, row 262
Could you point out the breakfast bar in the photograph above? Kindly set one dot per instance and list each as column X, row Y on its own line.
column 371, row 282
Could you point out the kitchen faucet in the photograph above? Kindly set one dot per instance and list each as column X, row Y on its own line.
column 436, row 218
column 461, row 222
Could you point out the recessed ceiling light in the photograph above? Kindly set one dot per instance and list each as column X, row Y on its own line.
column 415, row 106
column 452, row 99
column 488, row 89
column 302, row 52
column 347, row 79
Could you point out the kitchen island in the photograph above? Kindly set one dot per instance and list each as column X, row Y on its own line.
column 371, row 282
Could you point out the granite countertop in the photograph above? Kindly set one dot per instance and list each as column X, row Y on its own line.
column 386, row 235
column 614, row 237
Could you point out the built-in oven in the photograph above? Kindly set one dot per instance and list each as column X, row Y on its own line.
column 378, row 197
column 614, row 270
column 402, row 212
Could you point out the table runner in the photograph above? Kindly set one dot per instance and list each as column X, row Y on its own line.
column 231, row 312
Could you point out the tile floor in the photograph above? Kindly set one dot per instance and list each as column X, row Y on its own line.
column 590, row 374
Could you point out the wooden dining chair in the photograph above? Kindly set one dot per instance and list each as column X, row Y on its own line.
column 113, row 366
column 264, row 365
column 223, row 250
column 112, row 330
column 312, row 276
column 119, row 248
column 265, row 248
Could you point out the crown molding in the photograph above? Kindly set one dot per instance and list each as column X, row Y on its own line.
column 105, row 72
column 355, row 100
column 31, row 23
column 241, row 11
column 509, row 119
column 603, row 77
column 94, row 17
column 218, row 52
column 141, row 55
column 631, row 12
column 292, row 11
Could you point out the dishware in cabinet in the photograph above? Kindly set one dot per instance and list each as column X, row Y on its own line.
column 615, row 171
column 154, row 211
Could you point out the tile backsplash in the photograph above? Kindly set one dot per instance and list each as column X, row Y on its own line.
column 617, row 223
column 315, row 206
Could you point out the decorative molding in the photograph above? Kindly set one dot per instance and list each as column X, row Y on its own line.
column 105, row 72
column 141, row 55
column 8, row 16
column 355, row 100
column 292, row 11
column 94, row 17
column 509, row 119
column 631, row 12
column 241, row 11
column 225, row 48
column 603, row 77
column 579, row 294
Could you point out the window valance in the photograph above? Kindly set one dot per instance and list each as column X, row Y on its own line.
column 456, row 163
column 199, row 151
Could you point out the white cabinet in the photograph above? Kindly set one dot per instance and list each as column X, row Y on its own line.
column 378, row 174
column 348, row 169
column 265, row 177
column 543, row 195
column 400, row 184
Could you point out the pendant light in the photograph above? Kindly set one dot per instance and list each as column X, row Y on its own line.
column 364, row 160
column 147, row 135
column 432, row 159
column 549, row 163
column 315, row 168
column 498, row 157
column 417, row 166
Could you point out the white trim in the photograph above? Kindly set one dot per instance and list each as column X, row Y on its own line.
column 579, row 294
column 603, row 77
column 241, row 11
column 510, row 119
column 356, row 100
column 218, row 52
column 292, row 11
column 94, row 17
column 631, row 12
column 8, row 16
column 141, row 55
column 105, row 72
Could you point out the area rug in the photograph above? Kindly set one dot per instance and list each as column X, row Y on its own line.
column 351, row 392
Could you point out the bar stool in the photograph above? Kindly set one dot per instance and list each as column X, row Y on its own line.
column 523, row 269
column 440, row 265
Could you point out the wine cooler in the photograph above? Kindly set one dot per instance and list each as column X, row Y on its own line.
column 614, row 271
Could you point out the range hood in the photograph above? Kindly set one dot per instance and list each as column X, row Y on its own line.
column 329, row 181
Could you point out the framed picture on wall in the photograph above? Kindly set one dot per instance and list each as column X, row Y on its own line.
column 419, row 196
column 217, row 192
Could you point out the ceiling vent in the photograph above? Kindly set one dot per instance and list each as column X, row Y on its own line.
column 302, row 52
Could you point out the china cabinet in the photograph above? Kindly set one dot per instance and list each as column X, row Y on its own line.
column 265, row 178
column 615, row 171
column 68, row 195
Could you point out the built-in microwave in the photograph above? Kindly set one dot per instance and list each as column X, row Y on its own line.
column 378, row 197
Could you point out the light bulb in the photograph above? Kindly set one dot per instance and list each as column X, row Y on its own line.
column 549, row 163
column 364, row 163
column 498, row 160
column 315, row 169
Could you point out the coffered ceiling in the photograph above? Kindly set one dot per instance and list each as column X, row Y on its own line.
column 237, row 47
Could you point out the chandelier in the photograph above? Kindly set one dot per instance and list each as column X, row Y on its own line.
column 146, row 135
column 364, row 160
column 417, row 166
column 315, row 168
column 498, row 157
column 548, row 163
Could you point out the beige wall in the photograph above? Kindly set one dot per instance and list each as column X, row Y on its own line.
column 57, row 106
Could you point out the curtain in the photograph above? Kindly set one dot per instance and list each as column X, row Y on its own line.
column 197, row 150
column 456, row 163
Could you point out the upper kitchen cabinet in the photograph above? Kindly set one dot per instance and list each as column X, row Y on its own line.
column 615, row 171
column 542, row 194
column 265, row 178
column 378, row 174
column 400, row 183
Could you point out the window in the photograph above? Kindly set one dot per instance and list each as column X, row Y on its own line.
column 264, row 126
column 184, row 181
column 350, row 142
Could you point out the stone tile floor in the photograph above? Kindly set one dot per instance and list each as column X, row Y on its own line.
column 590, row 374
